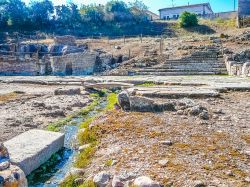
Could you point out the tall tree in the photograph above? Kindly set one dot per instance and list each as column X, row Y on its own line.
column 41, row 13
column 16, row 11
column 3, row 13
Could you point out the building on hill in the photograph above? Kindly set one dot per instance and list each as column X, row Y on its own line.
column 243, row 13
column 152, row 16
column 175, row 12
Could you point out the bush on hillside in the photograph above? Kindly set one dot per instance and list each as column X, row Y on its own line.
column 188, row 19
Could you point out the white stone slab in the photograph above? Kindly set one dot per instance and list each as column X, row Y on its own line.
column 33, row 148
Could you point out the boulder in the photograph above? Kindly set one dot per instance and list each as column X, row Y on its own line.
column 101, row 179
column 144, row 104
column 123, row 100
column 13, row 176
column 70, row 91
column 117, row 182
column 4, row 154
column 144, row 181
column 4, row 164
column 246, row 69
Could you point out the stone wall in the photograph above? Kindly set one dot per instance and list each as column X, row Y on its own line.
column 74, row 64
column 238, row 64
column 18, row 66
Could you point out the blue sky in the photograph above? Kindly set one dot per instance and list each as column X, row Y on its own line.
column 155, row 5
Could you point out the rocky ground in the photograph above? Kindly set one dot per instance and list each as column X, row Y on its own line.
column 201, row 141
column 178, row 149
column 29, row 106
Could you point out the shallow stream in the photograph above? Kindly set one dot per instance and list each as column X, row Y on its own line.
column 54, row 171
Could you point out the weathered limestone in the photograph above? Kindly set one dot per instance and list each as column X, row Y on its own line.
column 70, row 91
column 74, row 64
column 24, row 67
column 238, row 64
column 33, row 148
column 174, row 92
column 108, row 85
column 145, row 181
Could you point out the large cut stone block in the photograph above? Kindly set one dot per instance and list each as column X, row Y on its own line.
column 33, row 148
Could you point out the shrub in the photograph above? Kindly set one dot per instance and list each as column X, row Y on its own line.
column 188, row 19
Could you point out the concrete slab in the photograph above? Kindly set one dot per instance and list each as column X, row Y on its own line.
column 33, row 148
column 174, row 92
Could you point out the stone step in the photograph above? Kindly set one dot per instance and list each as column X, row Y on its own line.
column 191, row 65
column 183, row 70
column 33, row 148
column 194, row 62
column 178, row 73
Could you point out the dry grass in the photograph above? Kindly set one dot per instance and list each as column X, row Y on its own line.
column 8, row 97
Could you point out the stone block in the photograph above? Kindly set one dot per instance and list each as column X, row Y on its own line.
column 33, row 148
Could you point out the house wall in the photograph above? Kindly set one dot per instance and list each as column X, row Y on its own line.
column 222, row 15
column 244, row 13
column 164, row 14
column 244, row 7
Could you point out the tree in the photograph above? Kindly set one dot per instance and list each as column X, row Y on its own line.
column 15, row 11
column 92, row 13
column 3, row 14
column 119, row 10
column 41, row 13
column 188, row 19
column 139, row 10
column 67, row 15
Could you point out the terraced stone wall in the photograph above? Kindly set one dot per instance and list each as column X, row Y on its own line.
column 18, row 66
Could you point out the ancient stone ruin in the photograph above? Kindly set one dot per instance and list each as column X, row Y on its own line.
column 64, row 57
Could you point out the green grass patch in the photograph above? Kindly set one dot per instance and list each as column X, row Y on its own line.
column 88, row 136
column 83, row 159
column 108, row 162
column 147, row 84
column 111, row 101
column 56, row 127
column 88, row 183
column 69, row 181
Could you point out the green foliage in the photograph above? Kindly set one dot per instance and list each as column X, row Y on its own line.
column 88, row 183
column 108, row 162
column 83, row 159
column 147, row 84
column 69, row 181
column 112, row 100
column 56, row 127
column 88, row 136
column 188, row 19
column 113, row 18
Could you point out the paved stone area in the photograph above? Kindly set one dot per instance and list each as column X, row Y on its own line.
column 216, row 81
column 33, row 148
